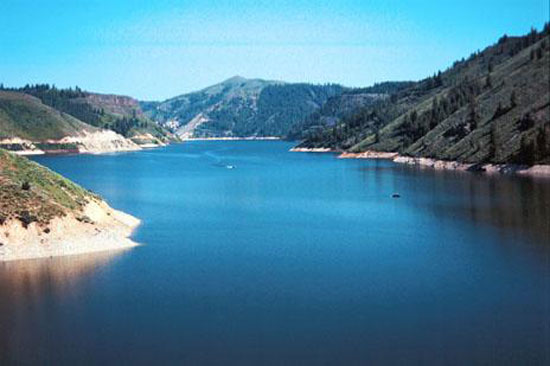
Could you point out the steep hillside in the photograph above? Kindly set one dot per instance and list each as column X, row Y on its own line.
column 493, row 107
column 343, row 106
column 27, row 117
column 241, row 107
column 44, row 214
column 114, row 112
column 28, row 125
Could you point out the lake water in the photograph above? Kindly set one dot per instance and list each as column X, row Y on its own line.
column 290, row 258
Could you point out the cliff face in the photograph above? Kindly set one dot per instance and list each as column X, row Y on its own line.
column 116, row 104
column 43, row 214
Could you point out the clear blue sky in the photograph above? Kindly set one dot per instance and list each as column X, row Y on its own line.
column 157, row 49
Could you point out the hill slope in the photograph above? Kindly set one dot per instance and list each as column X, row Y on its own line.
column 344, row 105
column 44, row 214
column 493, row 107
column 118, row 113
column 240, row 107
column 28, row 124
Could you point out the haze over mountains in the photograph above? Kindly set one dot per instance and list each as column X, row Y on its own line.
column 493, row 107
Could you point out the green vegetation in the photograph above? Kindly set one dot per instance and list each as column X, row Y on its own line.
column 492, row 107
column 118, row 113
column 244, row 107
column 349, row 104
column 27, row 117
column 29, row 192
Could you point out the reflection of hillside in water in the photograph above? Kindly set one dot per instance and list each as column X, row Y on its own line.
column 520, row 205
column 25, row 284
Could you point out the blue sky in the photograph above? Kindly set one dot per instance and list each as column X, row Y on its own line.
column 153, row 50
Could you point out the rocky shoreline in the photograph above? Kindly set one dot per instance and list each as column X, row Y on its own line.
column 247, row 138
column 313, row 150
column 100, row 228
column 533, row 171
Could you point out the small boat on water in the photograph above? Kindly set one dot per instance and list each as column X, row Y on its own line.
column 395, row 195
column 230, row 166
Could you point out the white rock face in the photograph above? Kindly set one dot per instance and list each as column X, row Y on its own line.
column 101, row 142
column 92, row 142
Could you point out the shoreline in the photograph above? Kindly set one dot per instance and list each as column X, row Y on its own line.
column 37, row 152
column 103, row 142
column 535, row 171
column 105, row 229
column 313, row 150
column 249, row 138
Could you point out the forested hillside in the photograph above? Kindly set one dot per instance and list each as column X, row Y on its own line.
column 241, row 107
column 118, row 113
column 344, row 105
column 492, row 107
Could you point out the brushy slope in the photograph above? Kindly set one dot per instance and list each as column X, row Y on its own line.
column 493, row 107
column 27, row 117
column 118, row 113
column 32, row 193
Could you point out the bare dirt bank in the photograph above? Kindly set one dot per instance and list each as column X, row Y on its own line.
column 312, row 150
column 97, row 142
column 99, row 228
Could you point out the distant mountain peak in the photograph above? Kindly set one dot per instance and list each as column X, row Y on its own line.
column 235, row 79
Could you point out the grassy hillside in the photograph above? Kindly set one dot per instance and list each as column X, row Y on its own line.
column 31, row 193
column 241, row 107
column 118, row 113
column 27, row 117
column 492, row 107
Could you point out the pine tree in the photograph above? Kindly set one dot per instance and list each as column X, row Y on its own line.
column 527, row 151
column 488, row 81
column 494, row 141
column 473, row 117
column 513, row 99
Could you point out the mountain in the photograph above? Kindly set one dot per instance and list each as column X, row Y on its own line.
column 240, row 107
column 493, row 107
column 43, row 214
column 121, row 114
column 28, row 125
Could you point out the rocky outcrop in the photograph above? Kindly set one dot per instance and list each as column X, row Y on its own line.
column 116, row 104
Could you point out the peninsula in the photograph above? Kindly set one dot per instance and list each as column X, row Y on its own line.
column 42, row 214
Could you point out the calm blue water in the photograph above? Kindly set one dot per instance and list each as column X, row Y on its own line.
column 291, row 258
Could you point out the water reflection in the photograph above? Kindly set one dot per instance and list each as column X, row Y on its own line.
column 24, row 285
column 512, row 204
